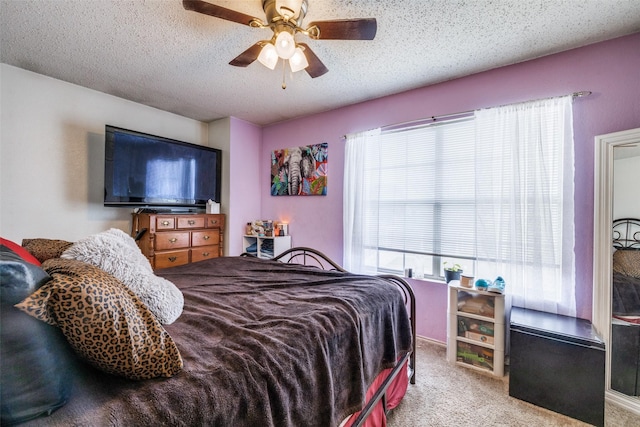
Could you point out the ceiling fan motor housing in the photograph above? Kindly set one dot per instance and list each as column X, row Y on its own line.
column 275, row 16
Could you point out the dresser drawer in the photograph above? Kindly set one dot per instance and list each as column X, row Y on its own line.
column 191, row 221
column 165, row 223
column 172, row 258
column 205, row 238
column 172, row 240
column 204, row 252
column 215, row 221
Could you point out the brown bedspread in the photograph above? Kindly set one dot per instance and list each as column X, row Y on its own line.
column 264, row 344
column 626, row 295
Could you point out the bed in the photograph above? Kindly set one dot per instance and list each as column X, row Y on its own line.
column 625, row 324
column 286, row 342
column 626, row 267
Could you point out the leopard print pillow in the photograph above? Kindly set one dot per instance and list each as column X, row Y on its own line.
column 44, row 249
column 104, row 322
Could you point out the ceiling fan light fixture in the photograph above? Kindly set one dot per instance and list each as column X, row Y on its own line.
column 268, row 56
column 285, row 45
column 298, row 61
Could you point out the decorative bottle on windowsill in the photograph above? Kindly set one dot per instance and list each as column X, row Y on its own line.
column 452, row 273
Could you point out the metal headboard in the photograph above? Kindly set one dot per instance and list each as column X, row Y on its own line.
column 626, row 233
column 308, row 256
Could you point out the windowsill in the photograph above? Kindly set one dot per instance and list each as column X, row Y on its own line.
column 424, row 280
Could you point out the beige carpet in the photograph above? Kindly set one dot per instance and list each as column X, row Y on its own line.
column 448, row 395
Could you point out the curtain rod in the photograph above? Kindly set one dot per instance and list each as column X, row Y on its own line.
column 426, row 120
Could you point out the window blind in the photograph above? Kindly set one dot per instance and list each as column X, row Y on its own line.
column 426, row 190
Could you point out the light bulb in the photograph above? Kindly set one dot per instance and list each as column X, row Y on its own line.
column 268, row 56
column 285, row 45
column 298, row 61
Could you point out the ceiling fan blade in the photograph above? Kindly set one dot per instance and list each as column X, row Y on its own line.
column 248, row 56
column 346, row 29
column 218, row 11
column 316, row 68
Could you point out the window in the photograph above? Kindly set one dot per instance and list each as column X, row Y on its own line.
column 492, row 192
column 420, row 209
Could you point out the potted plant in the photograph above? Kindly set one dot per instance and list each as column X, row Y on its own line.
column 452, row 273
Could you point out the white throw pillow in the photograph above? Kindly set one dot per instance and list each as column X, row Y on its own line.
column 115, row 252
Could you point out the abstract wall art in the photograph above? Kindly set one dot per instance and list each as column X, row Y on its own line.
column 299, row 171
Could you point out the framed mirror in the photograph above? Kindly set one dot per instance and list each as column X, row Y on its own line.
column 605, row 149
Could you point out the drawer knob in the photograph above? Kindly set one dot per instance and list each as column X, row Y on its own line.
column 206, row 237
column 172, row 258
column 173, row 240
column 214, row 221
column 191, row 222
column 205, row 253
column 165, row 223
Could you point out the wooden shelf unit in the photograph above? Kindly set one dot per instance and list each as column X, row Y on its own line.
column 177, row 239
column 476, row 329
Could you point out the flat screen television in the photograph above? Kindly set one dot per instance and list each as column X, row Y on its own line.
column 142, row 170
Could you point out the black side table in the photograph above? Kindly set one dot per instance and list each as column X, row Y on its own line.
column 557, row 362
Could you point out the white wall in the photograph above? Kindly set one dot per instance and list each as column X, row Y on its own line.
column 626, row 197
column 52, row 154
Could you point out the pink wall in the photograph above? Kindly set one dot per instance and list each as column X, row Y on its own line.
column 609, row 69
column 244, row 172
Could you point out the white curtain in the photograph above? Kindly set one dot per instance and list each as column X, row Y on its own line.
column 359, row 187
column 524, row 215
column 524, row 202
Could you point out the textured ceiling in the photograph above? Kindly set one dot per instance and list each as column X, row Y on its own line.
column 156, row 53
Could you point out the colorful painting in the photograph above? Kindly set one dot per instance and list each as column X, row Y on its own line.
column 299, row 171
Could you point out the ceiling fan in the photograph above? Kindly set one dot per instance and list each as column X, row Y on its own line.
column 284, row 18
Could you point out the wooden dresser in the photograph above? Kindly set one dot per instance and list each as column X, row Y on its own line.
column 175, row 239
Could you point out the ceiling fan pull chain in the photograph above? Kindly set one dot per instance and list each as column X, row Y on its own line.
column 284, row 69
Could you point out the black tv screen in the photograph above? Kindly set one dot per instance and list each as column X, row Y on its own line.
column 146, row 170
